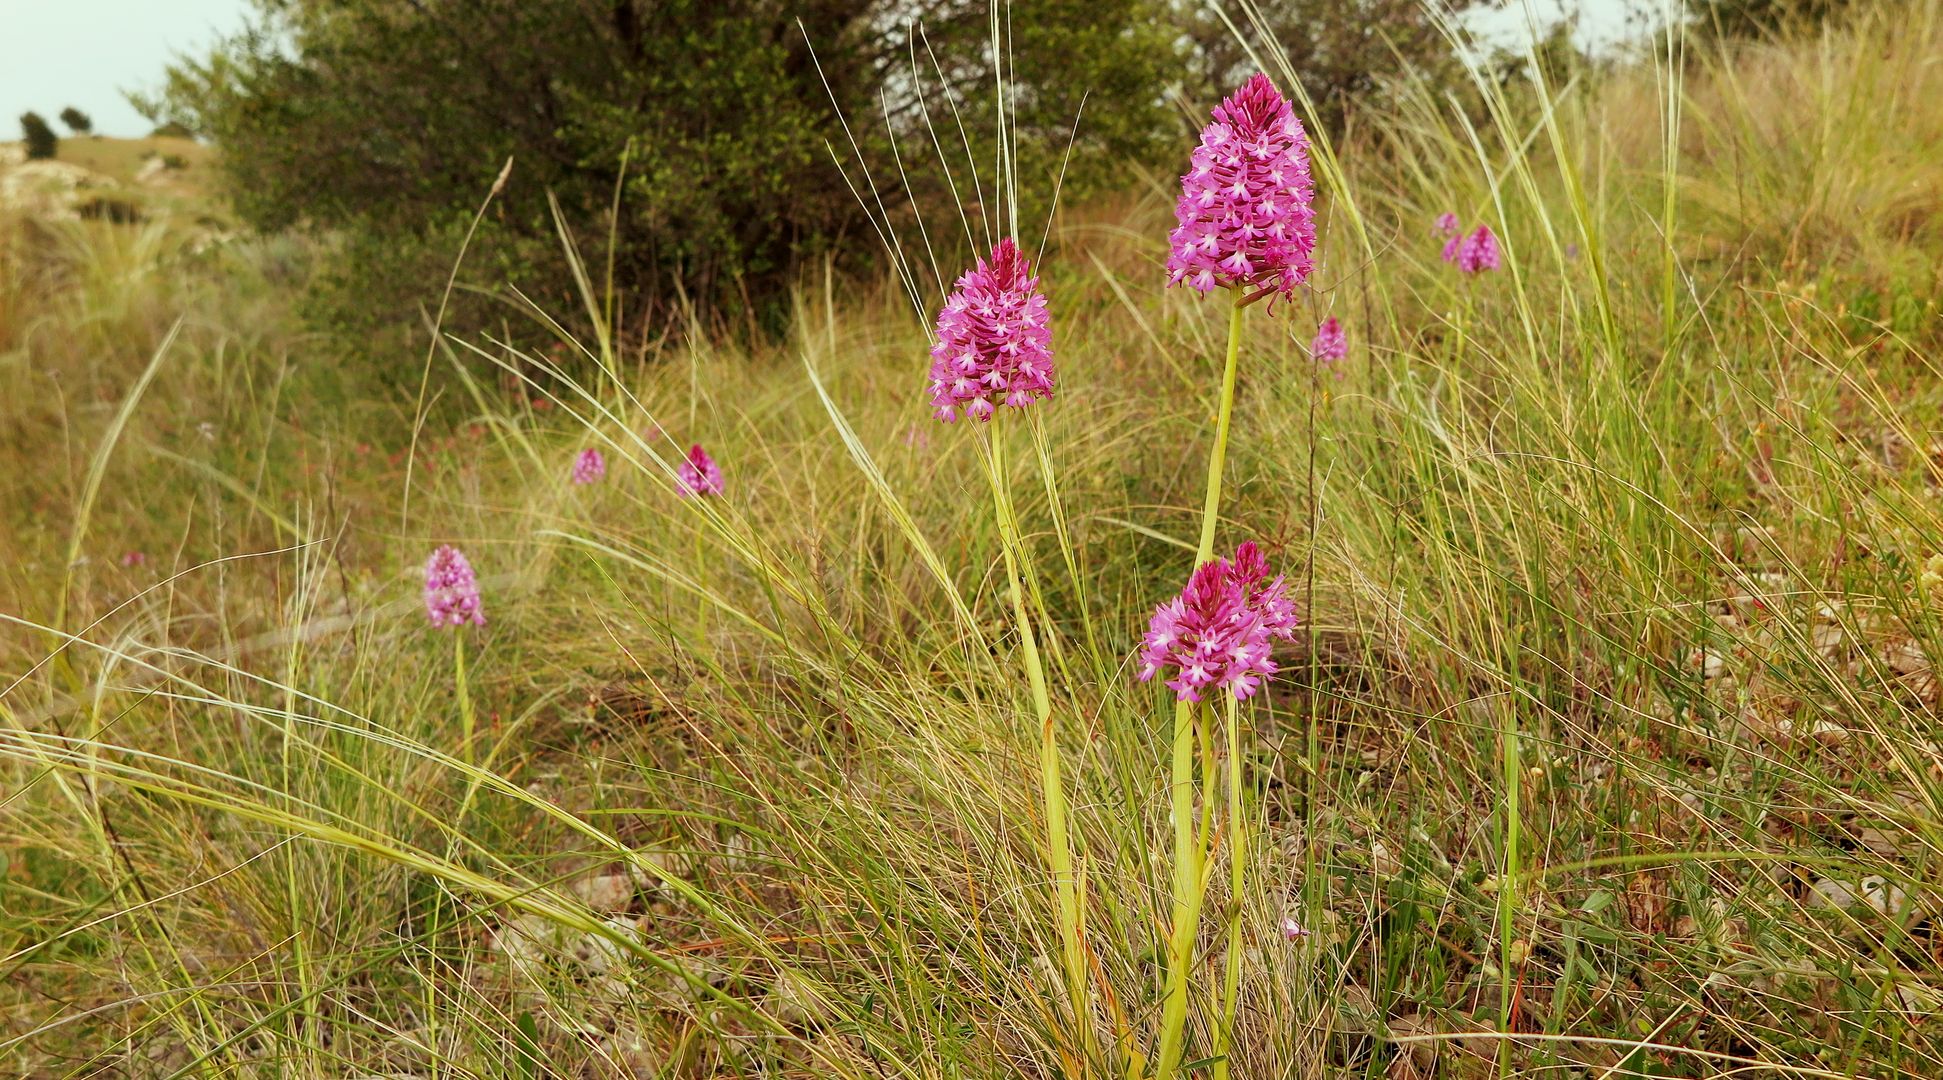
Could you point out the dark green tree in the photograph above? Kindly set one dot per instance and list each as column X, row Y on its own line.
column 76, row 120
column 386, row 123
column 1759, row 18
column 39, row 137
column 1346, row 53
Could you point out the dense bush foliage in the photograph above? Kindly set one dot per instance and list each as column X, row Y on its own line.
column 1348, row 52
column 39, row 137
column 77, row 121
column 714, row 123
column 1760, row 18
column 715, row 120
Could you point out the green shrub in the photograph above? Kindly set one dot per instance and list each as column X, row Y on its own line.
column 365, row 117
column 76, row 120
column 39, row 137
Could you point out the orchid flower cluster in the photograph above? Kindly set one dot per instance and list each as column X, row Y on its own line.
column 1331, row 342
column 1473, row 252
column 698, row 475
column 1220, row 631
column 1244, row 218
column 1245, row 222
column 451, row 590
column 589, row 466
column 994, row 343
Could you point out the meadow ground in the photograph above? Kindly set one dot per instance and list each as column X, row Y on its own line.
column 1608, row 747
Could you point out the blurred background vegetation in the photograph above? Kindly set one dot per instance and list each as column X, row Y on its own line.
column 716, row 142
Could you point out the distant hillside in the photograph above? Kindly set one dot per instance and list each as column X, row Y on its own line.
column 91, row 174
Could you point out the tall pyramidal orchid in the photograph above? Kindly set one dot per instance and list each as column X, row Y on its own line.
column 994, row 340
column 1216, row 638
column 589, row 466
column 698, row 474
column 1244, row 222
column 993, row 349
column 1244, row 218
column 1331, row 344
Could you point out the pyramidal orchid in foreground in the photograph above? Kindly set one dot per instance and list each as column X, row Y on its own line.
column 994, row 348
column 1220, row 631
column 698, row 474
column 1244, row 216
column 1331, row 344
column 1245, row 223
column 994, row 340
column 451, row 591
column 589, row 466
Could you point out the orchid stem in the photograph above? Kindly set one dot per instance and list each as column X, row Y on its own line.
column 1058, row 842
column 701, row 597
column 1237, row 871
column 1189, row 887
column 465, row 692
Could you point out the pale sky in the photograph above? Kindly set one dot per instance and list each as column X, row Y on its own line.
column 84, row 53
column 1602, row 23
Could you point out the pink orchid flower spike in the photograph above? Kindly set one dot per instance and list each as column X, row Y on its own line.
column 994, row 340
column 1220, row 631
column 698, row 474
column 451, row 591
column 589, row 466
column 1244, row 219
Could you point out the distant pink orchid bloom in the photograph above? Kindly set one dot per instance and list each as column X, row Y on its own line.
column 994, row 342
column 1478, row 252
column 1293, row 931
column 589, row 466
column 134, row 558
column 698, row 474
column 1447, row 224
column 1331, row 344
column 1244, row 218
column 1220, row 631
column 451, row 591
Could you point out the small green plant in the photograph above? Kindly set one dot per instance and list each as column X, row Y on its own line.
column 77, row 121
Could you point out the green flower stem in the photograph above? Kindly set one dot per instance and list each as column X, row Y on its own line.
column 465, row 693
column 701, row 597
column 1237, row 869
column 1189, row 886
column 1058, row 841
